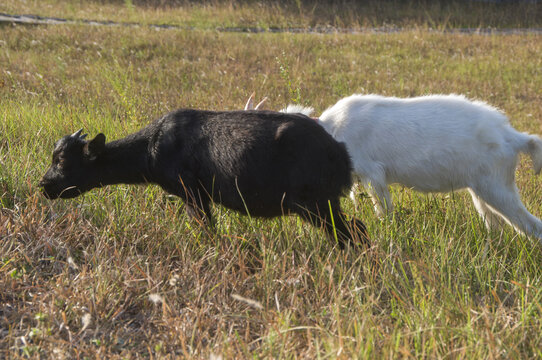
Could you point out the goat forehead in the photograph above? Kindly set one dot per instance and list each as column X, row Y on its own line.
column 66, row 143
column 58, row 146
column 61, row 143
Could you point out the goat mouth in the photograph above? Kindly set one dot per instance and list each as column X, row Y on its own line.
column 49, row 195
column 46, row 190
column 67, row 193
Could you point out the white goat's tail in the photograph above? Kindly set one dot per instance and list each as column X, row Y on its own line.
column 298, row 109
column 534, row 149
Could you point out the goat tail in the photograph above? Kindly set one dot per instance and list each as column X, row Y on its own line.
column 534, row 149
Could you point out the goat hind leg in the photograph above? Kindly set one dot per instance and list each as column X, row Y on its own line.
column 505, row 201
column 492, row 220
column 330, row 216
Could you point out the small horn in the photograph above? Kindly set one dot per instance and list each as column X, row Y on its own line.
column 82, row 137
column 77, row 133
column 250, row 103
column 260, row 104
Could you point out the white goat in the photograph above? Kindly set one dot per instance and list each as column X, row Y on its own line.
column 436, row 143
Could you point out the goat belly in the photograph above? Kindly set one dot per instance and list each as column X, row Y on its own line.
column 257, row 205
column 252, row 197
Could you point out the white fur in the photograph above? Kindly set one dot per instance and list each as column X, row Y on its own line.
column 436, row 143
column 298, row 109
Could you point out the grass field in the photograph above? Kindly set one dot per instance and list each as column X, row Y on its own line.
column 121, row 273
column 209, row 14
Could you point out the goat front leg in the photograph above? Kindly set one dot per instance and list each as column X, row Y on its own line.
column 354, row 191
column 197, row 202
column 198, row 208
column 373, row 177
column 381, row 198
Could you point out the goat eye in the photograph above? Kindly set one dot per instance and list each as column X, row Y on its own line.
column 59, row 160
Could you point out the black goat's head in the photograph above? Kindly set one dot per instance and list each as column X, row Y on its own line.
column 74, row 161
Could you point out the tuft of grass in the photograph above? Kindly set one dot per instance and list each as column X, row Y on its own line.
column 294, row 92
column 121, row 272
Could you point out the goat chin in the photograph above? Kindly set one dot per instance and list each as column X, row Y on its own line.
column 436, row 143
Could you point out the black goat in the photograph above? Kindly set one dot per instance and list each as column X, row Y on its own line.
column 257, row 162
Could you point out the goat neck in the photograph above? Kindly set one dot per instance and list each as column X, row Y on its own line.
column 125, row 161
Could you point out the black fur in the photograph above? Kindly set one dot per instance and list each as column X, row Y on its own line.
column 264, row 163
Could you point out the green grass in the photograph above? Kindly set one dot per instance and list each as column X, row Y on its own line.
column 434, row 283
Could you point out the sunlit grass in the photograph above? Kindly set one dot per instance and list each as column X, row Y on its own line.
column 433, row 284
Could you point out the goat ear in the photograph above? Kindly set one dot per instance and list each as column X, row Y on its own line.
column 95, row 146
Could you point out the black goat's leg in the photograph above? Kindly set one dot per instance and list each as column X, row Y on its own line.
column 357, row 231
column 198, row 208
column 196, row 203
column 319, row 216
column 330, row 216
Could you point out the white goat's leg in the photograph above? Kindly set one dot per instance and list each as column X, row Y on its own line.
column 492, row 220
column 373, row 178
column 506, row 202
column 381, row 198
column 354, row 191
